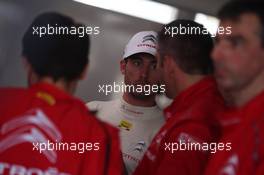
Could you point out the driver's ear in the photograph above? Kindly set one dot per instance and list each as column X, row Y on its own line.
column 123, row 66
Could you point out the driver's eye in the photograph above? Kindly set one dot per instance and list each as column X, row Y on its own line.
column 137, row 62
column 153, row 66
column 237, row 42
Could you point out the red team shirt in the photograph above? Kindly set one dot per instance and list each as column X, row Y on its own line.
column 189, row 119
column 247, row 138
column 42, row 114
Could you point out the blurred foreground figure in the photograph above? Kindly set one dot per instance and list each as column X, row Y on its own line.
column 239, row 71
column 182, row 144
column 44, row 129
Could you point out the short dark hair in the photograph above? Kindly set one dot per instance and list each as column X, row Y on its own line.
column 60, row 56
column 190, row 51
column 234, row 9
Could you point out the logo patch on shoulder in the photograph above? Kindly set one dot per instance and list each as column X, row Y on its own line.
column 125, row 125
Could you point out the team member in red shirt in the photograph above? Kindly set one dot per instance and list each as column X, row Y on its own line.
column 239, row 70
column 44, row 129
column 185, row 65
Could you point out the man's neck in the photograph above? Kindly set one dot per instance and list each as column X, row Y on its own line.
column 68, row 87
column 145, row 102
